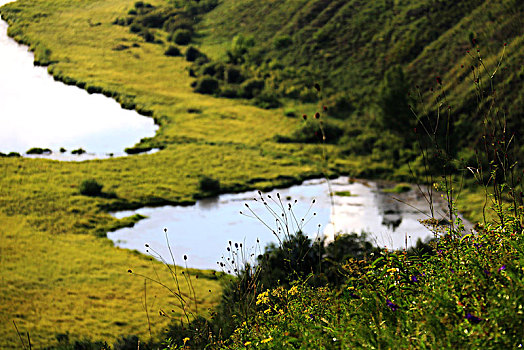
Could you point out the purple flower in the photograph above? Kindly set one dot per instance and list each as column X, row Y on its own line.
column 391, row 305
column 452, row 271
column 502, row 268
column 414, row 279
column 487, row 272
column 473, row 319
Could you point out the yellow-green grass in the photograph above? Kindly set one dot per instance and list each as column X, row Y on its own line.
column 73, row 283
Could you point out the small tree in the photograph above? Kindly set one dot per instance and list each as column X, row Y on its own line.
column 393, row 100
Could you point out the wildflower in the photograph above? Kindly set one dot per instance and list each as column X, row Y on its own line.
column 317, row 115
column 502, row 268
column 186, row 339
column 391, row 305
column 304, row 116
column 473, row 319
column 325, row 108
column 439, row 80
column 266, row 340
column 414, row 279
column 247, row 343
column 130, row 271
column 293, row 290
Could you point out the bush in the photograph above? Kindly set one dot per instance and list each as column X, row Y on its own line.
column 282, row 42
column 192, row 54
column 182, row 37
column 135, row 28
column 91, row 188
column 229, row 92
column 38, row 150
column 208, row 184
column 339, row 105
column 252, row 87
column 233, row 75
column 172, row 51
column 267, row 100
column 148, row 35
column 206, row 85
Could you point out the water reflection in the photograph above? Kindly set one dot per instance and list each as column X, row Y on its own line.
column 202, row 231
column 36, row 111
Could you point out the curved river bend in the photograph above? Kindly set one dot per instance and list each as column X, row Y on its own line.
column 37, row 111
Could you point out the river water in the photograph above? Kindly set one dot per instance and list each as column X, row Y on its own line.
column 37, row 111
column 202, row 231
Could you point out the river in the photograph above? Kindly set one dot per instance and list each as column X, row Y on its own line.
column 37, row 111
column 202, row 231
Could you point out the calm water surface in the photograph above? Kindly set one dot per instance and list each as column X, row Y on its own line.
column 202, row 231
column 36, row 111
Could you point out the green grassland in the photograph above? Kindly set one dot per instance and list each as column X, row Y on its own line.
column 56, row 275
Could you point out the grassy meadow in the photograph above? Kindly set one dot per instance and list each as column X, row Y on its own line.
column 59, row 273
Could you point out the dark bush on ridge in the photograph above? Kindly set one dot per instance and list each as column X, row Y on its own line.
column 252, row 87
column 172, row 51
column 192, row 54
column 90, row 187
column 135, row 28
column 206, row 85
column 38, row 150
column 233, row 75
column 208, row 184
column 182, row 37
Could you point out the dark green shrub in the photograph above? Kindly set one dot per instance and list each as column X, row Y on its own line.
column 267, row 100
column 229, row 92
column 90, row 187
column 62, row 150
column 148, row 35
column 178, row 22
column 233, row 75
column 132, row 12
column 208, row 184
column 139, row 4
column 206, row 85
column 172, row 51
column 192, row 54
column 182, row 36
column 282, row 42
column 252, row 87
column 130, row 342
column 135, row 28
column 339, row 106
column 311, row 132
column 38, row 150
column 92, row 89
column 78, row 151
column 13, row 154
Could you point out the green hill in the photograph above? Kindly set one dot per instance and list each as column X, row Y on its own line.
column 347, row 46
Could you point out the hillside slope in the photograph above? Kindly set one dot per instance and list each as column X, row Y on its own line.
column 347, row 46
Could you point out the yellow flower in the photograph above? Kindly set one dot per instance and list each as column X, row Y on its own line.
column 293, row 290
column 262, row 298
column 267, row 311
column 185, row 340
column 247, row 343
column 266, row 340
